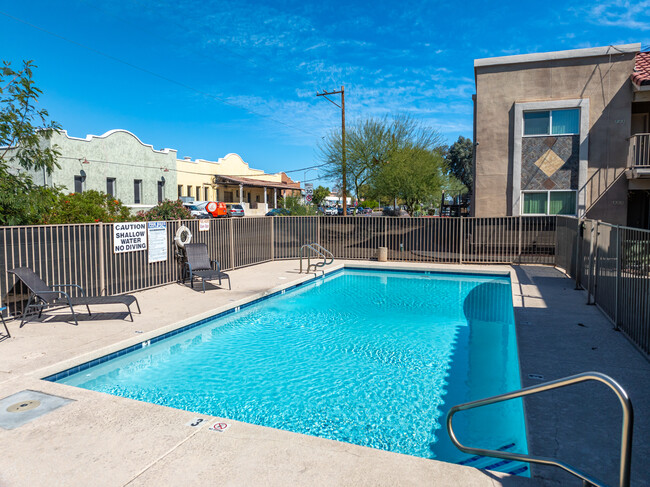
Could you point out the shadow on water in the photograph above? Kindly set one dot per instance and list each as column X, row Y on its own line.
column 484, row 363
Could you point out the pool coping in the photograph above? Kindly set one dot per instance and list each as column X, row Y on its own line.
column 61, row 370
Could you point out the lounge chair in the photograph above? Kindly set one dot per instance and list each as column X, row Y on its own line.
column 198, row 264
column 43, row 296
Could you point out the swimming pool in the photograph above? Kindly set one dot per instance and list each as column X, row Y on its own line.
column 374, row 358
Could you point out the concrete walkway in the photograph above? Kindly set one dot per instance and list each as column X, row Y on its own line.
column 100, row 439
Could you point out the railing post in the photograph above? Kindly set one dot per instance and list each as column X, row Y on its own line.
column 232, row 243
column 618, row 275
column 592, row 262
column 271, row 220
column 102, row 261
column 461, row 240
column 578, row 265
column 519, row 240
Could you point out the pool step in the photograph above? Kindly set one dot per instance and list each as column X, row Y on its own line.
column 497, row 464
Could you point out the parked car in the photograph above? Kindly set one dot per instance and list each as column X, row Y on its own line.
column 235, row 210
column 197, row 209
column 368, row 211
column 331, row 210
column 278, row 212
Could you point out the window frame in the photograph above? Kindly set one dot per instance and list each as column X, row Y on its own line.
column 550, row 122
column 80, row 179
column 548, row 201
column 137, row 191
column 114, row 185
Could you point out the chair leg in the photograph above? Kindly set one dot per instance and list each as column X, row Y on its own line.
column 229, row 286
column 74, row 315
column 5, row 323
column 203, row 282
column 88, row 308
column 29, row 304
column 130, row 314
column 138, row 305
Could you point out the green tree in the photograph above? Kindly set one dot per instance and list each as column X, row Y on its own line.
column 88, row 207
column 319, row 195
column 414, row 176
column 459, row 160
column 371, row 145
column 23, row 128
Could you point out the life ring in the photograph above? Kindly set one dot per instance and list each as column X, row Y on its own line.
column 211, row 207
column 183, row 236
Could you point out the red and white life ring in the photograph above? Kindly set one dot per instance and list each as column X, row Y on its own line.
column 211, row 207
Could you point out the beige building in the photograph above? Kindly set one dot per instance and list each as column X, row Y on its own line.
column 231, row 180
column 563, row 133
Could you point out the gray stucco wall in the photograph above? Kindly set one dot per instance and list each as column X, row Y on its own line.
column 117, row 154
column 603, row 80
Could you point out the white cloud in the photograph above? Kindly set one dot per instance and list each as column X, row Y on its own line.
column 622, row 13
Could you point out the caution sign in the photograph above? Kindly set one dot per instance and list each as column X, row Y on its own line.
column 129, row 237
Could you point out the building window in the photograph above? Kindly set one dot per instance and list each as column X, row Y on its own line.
column 549, row 203
column 161, row 191
column 180, row 190
column 137, row 191
column 206, row 194
column 189, row 190
column 198, row 193
column 110, row 186
column 78, row 184
column 552, row 122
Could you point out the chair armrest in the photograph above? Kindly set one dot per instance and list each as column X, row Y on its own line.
column 188, row 265
column 83, row 293
column 218, row 265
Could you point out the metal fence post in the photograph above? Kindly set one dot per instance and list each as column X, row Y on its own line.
column 618, row 275
column 271, row 220
column 519, row 241
column 232, row 243
column 596, row 256
column 461, row 241
column 578, row 266
column 102, row 261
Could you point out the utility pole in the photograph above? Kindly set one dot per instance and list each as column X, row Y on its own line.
column 343, row 163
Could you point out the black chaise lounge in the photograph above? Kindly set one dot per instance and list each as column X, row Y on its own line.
column 42, row 296
column 198, row 264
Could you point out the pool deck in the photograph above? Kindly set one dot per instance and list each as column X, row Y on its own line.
column 98, row 439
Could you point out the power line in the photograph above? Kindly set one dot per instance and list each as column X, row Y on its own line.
column 157, row 75
column 116, row 163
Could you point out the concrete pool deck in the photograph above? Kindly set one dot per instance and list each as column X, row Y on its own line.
column 98, row 439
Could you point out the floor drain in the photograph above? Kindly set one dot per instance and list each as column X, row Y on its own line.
column 29, row 405
column 22, row 406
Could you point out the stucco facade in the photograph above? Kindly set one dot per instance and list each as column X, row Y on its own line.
column 232, row 180
column 589, row 158
column 140, row 176
column 117, row 159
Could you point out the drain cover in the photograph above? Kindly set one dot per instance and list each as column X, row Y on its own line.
column 25, row 406
column 22, row 406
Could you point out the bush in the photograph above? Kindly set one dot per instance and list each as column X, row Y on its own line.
column 292, row 203
column 88, row 207
column 165, row 210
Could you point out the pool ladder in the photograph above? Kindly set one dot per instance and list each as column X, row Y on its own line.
column 587, row 480
column 321, row 251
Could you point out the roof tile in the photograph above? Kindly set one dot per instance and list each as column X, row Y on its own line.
column 641, row 74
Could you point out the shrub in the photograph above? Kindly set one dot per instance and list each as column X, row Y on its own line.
column 292, row 203
column 88, row 207
column 165, row 210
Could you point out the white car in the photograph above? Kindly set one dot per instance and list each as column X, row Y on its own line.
column 197, row 209
column 331, row 210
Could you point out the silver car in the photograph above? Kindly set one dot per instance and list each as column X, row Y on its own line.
column 235, row 210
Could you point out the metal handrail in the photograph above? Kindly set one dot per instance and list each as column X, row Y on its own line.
column 626, row 435
column 315, row 248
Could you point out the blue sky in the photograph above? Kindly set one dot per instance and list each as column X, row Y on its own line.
column 212, row 77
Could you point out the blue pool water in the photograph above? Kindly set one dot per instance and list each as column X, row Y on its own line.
column 374, row 358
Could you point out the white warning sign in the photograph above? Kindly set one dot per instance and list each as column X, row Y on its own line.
column 129, row 237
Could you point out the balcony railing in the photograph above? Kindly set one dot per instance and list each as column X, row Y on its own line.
column 639, row 159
